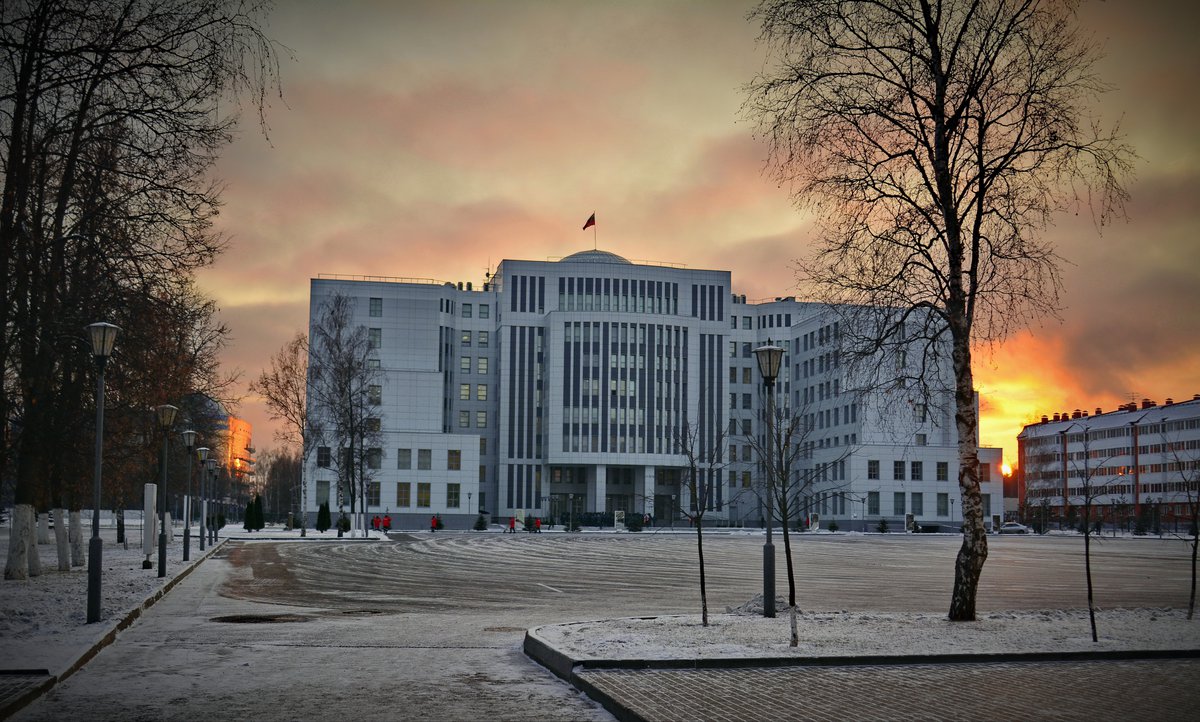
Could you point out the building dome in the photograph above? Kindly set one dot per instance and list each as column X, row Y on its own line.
column 595, row 257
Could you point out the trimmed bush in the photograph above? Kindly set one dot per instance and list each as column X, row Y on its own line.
column 323, row 520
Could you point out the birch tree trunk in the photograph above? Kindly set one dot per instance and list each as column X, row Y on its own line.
column 19, row 542
column 61, row 544
column 78, row 558
column 35, row 557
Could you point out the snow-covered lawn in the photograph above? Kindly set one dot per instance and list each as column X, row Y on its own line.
column 744, row 632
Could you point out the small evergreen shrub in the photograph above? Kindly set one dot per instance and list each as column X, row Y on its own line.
column 833, row 526
column 882, row 527
column 343, row 523
column 633, row 522
column 323, row 520
column 480, row 523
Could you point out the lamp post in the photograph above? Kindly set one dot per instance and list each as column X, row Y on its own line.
column 211, row 463
column 571, row 504
column 189, row 441
column 103, row 335
column 202, row 457
column 166, row 417
column 671, row 511
column 769, row 357
column 468, row 503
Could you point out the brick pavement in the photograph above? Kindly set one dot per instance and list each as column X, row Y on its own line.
column 1070, row 690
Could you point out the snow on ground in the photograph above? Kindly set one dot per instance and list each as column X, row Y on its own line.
column 744, row 632
column 42, row 620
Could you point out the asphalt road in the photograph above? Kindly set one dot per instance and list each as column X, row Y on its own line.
column 430, row 626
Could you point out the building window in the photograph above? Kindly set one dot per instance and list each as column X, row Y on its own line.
column 985, row 472
column 922, row 440
column 322, row 492
column 374, row 458
column 484, row 310
column 987, row 505
column 898, row 503
column 482, row 336
column 403, row 458
column 423, row 495
column 464, row 392
column 424, row 459
column 873, row 469
column 373, row 363
column 943, row 504
column 746, row 452
column 403, row 493
column 481, row 419
column 922, row 413
column 943, row 471
column 918, row 471
column 376, row 307
column 466, row 338
column 746, row 323
column 374, row 337
column 483, row 446
column 918, row 504
column 323, row 457
column 374, row 395
column 466, row 310
column 453, row 459
column 747, row 375
column 481, row 365
column 374, row 424
column 464, row 364
column 373, row 493
column 745, row 350
column 746, row 401
column 873, row 503
column 733, row 374
column 745, row 480
column 898, row 470
column 464, row 419
column 452, row 494
column 481, row 392
column 482, row 475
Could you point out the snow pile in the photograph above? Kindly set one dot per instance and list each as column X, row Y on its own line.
column 843, row 633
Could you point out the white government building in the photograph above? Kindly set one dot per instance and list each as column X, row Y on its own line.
column 563, row 385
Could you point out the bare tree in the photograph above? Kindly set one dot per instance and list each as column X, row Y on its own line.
column 283, row 386
column 935, row 140
column 108, row 131
column 705, row 461
column 344, row 392
column 1185, row 463
column 791, row 476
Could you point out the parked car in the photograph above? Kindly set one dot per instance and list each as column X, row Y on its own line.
column 1012, row 527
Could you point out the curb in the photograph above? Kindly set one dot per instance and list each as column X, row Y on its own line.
column 19, row 702
column 568, row 668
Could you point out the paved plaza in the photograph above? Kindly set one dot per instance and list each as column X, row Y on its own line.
column 430, row 626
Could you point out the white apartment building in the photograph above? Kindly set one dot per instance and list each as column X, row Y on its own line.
column 562, row 387
column 1126, row 460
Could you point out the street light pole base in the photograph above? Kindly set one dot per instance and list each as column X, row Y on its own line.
column 187, row 543
column 162, row 554
column 147, row 564
column 95, row 552
column 768, row 580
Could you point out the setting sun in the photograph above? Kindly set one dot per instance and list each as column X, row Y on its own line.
column 1006, row 469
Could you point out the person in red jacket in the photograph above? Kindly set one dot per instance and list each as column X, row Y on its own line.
column 537, row 525
column 387, row 523
column 433, row 523
column 375, row 522
column 512, row 524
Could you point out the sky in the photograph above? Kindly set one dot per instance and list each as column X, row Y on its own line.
column 434, row 139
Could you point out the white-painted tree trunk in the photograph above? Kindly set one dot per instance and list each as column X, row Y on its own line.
column 43, row 528
column 795, row 632
column 19, row 541
column 61, row 544
column 78, row 558
column 35, row 556
column 170, row 529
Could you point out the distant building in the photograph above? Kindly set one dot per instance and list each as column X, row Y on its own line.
column 1137, row 460
column 563, row 386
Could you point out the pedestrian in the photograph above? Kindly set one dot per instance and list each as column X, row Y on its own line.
column 375, row 522
column 387, row 523
column 433, row 523
column 537, row 525
column 512, row 525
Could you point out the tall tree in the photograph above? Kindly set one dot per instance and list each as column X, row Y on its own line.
column 935, row 140
column 109, row 125
column 283, row 387
column 344, row 395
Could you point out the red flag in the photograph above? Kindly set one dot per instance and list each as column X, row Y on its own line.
column 591, row 221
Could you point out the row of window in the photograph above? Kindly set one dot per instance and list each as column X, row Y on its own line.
column 481, row 337
column 916, row 505
column 780, row 320
column 618, row 294
column 481, row 365
column 917, row 469
column 453, row 458
column 404, row 495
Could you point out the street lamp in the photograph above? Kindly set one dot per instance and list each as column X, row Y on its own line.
column 103, row 335
column 166, row 417
column 211, row 517
column 571, row 503
column 189, row 440
column 202, row 457
column 468, row 503
column 769, row 357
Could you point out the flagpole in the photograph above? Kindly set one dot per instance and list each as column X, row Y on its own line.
column 594, row 237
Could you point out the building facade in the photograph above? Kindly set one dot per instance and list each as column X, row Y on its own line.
column 1137, row 462
column 567, row 387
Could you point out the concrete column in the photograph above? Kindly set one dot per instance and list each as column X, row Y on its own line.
column 597, row 488
column 646, row 490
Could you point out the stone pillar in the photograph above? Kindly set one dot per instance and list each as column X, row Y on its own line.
column 597, row 488
column 646, row 490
